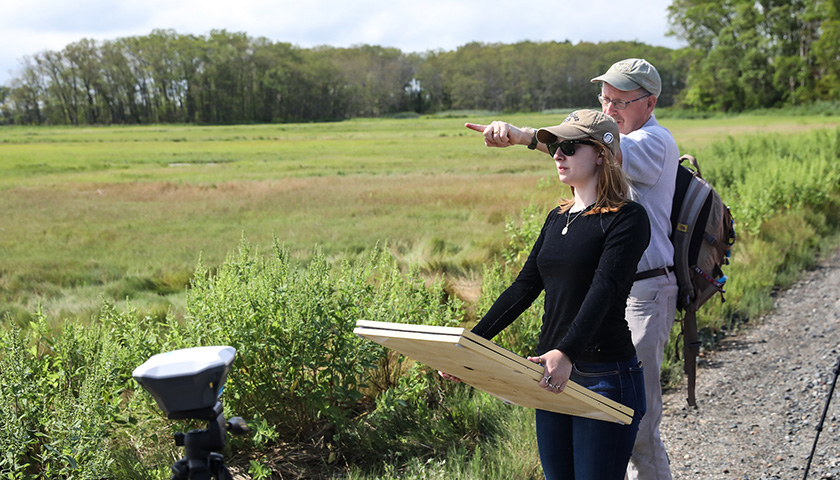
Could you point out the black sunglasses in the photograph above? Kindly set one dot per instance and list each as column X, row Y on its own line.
column 567, row 146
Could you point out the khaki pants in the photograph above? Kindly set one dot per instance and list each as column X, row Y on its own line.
column 651, row 310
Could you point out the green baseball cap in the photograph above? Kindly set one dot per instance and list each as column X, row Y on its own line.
column 583, row 124
column 631, row 74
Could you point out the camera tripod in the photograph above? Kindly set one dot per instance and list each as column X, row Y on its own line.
column 202, row 460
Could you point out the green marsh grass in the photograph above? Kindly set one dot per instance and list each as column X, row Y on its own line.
column 126, row 212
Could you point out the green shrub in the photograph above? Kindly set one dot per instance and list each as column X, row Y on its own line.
column 62, row 401
column 19, row 406
column 299, row 366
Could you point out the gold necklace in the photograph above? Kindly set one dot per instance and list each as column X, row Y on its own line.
column 569, row 220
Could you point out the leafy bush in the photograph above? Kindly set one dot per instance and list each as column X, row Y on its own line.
column 61, row 400
column 299, row 365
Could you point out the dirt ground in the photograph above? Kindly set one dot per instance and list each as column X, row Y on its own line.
column 762, row 393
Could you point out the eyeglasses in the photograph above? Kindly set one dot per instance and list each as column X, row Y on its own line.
column 619, row 104
column 567, row 146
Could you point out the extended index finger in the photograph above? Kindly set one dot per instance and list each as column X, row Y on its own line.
column 476, row 126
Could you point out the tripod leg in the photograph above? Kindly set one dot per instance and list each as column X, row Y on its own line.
column 225, row 475
column 180, row 470
column 822, row 419
column 218, row 467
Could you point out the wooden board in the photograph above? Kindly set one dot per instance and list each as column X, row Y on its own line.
column 489, row 367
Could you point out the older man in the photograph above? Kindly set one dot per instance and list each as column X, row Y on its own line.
column 649, row 155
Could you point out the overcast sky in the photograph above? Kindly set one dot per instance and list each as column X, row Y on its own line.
column 30, row 26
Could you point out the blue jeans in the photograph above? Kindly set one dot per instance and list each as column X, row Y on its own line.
column 580, row 448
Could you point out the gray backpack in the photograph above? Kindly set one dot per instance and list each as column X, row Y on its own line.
column 703, row 232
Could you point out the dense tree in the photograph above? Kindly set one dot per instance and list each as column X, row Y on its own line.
column 742, row 54
column 758, row 53
column 531, row 76
column 375, row 79
column 22, row 102
column 228, row 77
column 826, row 52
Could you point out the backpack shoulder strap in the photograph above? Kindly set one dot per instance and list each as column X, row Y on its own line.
column 691, row 348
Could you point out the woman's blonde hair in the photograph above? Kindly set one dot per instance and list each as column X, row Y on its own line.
column 613, row 189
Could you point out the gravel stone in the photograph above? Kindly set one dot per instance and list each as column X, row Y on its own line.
column 761, row 393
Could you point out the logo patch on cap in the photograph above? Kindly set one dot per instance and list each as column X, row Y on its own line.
column 621, row 67
column 608, row 138
column 573, row 117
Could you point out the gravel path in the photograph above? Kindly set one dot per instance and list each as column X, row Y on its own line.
column 761, row 394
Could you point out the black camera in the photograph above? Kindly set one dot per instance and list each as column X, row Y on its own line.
column 188, row 384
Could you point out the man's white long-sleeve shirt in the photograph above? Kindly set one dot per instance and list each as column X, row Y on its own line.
column 650, row 158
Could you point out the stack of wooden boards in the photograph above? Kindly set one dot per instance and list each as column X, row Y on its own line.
column 489, row 367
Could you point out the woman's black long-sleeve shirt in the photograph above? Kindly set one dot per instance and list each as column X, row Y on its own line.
column 586, row 275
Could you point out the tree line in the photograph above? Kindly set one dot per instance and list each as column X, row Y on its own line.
column 742, row 54
column 227, row 77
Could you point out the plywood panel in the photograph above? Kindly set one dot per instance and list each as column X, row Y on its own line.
column 489, row 367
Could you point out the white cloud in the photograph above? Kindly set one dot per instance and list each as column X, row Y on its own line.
column 28, row 27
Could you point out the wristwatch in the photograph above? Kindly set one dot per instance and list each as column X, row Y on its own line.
column 534, row 141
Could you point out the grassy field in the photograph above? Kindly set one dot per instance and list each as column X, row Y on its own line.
column 100, row 215
column 127, row 212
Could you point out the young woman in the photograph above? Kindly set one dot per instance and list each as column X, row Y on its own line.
column 585, row 259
